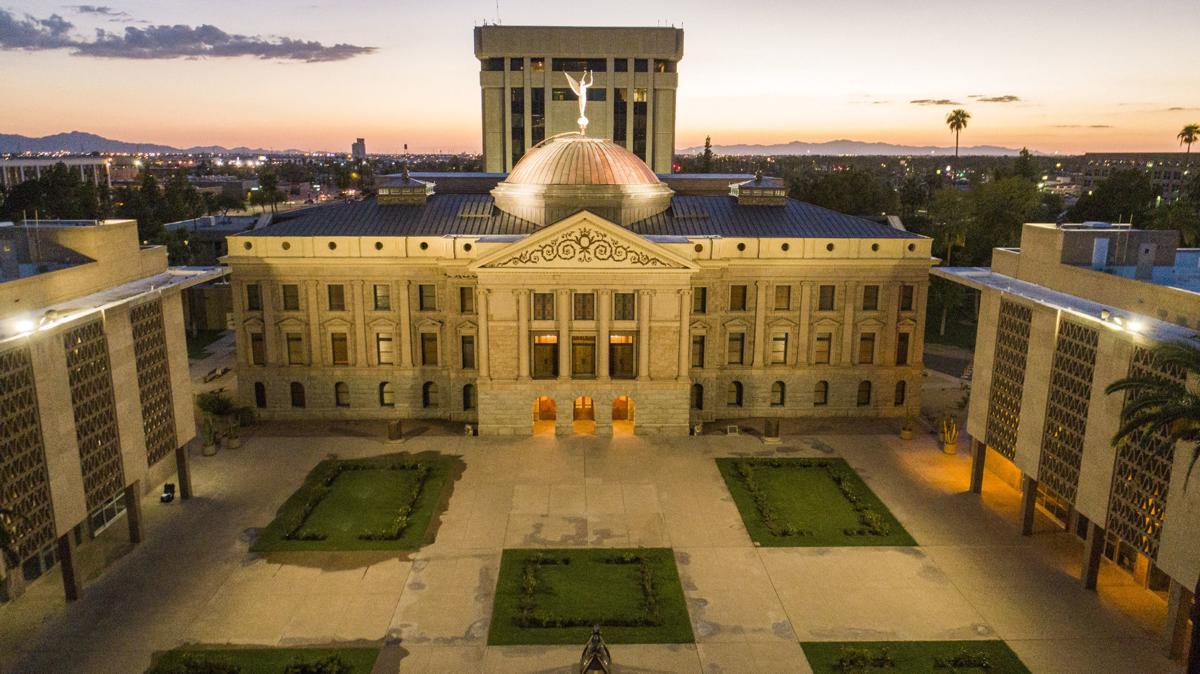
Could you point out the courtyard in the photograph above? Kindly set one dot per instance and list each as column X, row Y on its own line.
column 970, row 577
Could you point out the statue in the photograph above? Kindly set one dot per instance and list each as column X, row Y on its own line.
column 595, row 654
column 580, row 88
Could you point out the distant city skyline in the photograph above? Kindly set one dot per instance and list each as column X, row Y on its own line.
column 1063, row 77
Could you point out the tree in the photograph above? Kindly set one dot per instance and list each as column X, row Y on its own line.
column 1126, row 194
column 1026, row 166
column 957, row 121
column 913, row 196
column 854, row 192
column 1154, row 402
column 707, row 158
column 1190, row 134
column 950, row 213
column 998, row 210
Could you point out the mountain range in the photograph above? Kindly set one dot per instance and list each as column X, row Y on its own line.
column 851, row 147
column 83, row 143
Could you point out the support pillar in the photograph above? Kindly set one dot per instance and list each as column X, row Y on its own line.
column 183, row 469
column 760, row 324
column 603, row 329
column 685, row 334
column 1028, row 504
column 1179, row 600
column 12, row 584
column 523, row 345
column 483, row 348
column 645, row 297
column 133, row 511
column 978, row 457
column 563, row 314
column 72, row 581
column 1093, row 550
column 406, row 360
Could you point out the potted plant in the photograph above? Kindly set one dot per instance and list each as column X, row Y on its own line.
column 949, row 435
column 233, row 439
column 208, row 436
column 906, row 430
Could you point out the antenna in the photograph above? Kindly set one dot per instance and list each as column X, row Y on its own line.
column 498, row 12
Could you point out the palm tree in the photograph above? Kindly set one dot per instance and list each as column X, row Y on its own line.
column 1157, row 402
column 1190, row 134
column 957, row 121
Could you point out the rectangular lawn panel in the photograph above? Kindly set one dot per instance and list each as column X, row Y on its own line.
column 263, row 660
column 378, row 503
column 913, row 657
column 809, row 503
column 555, row 596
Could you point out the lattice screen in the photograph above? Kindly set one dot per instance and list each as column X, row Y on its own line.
column 95, row 410
column 1067, row 408
column 1142, row 471
column 24, row 480
column 154, row 380
column 1008, row 377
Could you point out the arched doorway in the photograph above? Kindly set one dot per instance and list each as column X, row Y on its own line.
column 584, row 416
column 623, row 413
column 544, row 414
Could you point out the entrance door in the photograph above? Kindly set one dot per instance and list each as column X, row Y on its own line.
column 546, row 410
column 545, row 359
column 621, row 358
column 584, row 411
column 620, row 410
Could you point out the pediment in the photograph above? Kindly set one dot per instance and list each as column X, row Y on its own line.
column 584, row 241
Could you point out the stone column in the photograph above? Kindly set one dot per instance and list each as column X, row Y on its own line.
column 1179, row 600
column 603, row 326
column 72, row 581
column 849, row 353
column 523, row 345
column 760, row 323
column 1093, row 550
column 890, row 296
column 805, row 319
column 685, row 334
column 361, row 343
column 563, row 314
column 645, row 297
column 315, row 351
column 481, row 348
column 978, row 456
column 271, row 343
column 183, row 469
column 405, row 326
column 1028, row 504
column 133, row 511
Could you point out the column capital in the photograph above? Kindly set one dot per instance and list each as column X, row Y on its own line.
column 645, row 292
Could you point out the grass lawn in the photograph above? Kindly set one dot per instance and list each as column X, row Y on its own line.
column 801, row 504
column 572, row 589
column 265, row 660
column 912, row 657
column 197, row 345
column 392, row 500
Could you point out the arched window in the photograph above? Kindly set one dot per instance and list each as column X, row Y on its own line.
column 778, row 393
column 387, row 396
column 468, row 397
column 697, row 397
column 901, row 392
column 864, row 393
column 821, row 393
column 297, row 394
column 429, row 394
column 733, row 395
column 341, row 394
column 260, row 395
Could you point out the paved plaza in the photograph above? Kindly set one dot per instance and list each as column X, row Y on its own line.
column 973, row 577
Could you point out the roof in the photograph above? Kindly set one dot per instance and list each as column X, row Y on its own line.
column 575, row 159
column 475, row 215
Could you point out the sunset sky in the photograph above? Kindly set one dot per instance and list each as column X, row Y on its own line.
column 1066, row 76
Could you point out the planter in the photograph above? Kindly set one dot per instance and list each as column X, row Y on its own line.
column 208, row 450
column 233, row 443
column 906, row 434
column 950, row 447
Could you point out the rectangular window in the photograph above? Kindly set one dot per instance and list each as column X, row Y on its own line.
column 537, row 115
column 253, row 297
column 699, row 300
column 697, row 350
column 779, row 348
column 585, row 306
column 258, row 354
column 622, row 357
column 737, row 349
column 516, row 65
column 291, row 297
column 495, row 64
column 902, row 348
column 641, row 65
column 466, row 300
column 866, row 348
column 870, row 298
column 620, row 114
column 598, row 65
column 825, row 298
column 545, row 356
column 583, row 356
column 337, row 297
column 783, row 298
column 620, row 65
column 822, row 348
column 427, row 297
column 543, row 306
column 295, row 348
column 537, row 64
column 517, row 109
column 737, row 298
column 906, row 296
column 623, row 307
column 383, row 297
column 429, row 348
column 640, row 125
column 384, row 353
column 467, row 348
column 340, row 348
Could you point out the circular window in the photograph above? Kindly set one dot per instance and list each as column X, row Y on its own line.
column 378, row 245
column 467, row 247
column 332, row 245
column 785, row 247
column 247, row 245
column 286, row 246
column 741, row 247
column 912, row 247
column 424, row 246
column 829, row 247
column 875, row 247
column 699, row 248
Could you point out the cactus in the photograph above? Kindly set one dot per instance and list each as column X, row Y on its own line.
column 949, row 431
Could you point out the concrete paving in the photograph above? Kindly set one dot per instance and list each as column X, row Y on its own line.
column 194, row 581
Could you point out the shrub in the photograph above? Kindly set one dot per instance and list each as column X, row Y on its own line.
column 193, row 663
column 964, row 659
column 855, row 660
column 327, row 665
column 215, row 403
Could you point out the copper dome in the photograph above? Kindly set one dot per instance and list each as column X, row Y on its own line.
column 575, row 159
